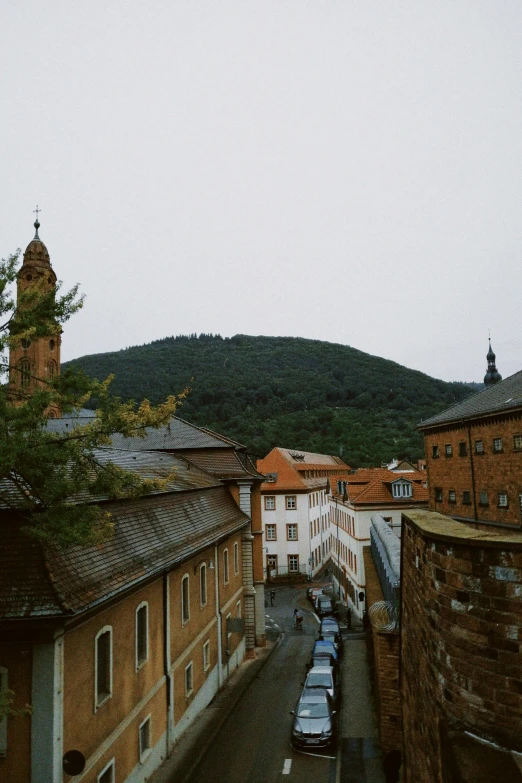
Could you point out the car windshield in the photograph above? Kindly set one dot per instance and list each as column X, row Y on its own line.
column 319, row 680
column 305, row 710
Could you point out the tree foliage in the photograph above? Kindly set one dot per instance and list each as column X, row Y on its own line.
column 285, row 391
column 51, row 476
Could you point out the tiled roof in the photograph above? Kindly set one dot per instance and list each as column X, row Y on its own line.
column 373, row 486
column 289, row 470
column 183, row 473
column 150, row 535
column 503, row 396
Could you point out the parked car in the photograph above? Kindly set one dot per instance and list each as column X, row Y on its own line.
column 314, row 592
column 329, row 629
column 322, row 658
column 323, row 605
column 314, row 722
column 325, row 646
column 325, row 677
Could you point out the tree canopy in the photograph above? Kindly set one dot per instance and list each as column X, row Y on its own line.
column 286, row 391
column 50, row 477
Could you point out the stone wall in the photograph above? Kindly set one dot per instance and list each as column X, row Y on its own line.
column 461, row 665
column 385, row 656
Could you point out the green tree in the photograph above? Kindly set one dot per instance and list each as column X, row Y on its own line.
column 43, row 472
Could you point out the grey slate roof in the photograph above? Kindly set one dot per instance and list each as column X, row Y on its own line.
column 503, row 396
column 150, row 535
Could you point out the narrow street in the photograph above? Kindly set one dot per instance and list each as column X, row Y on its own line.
column 253, row 746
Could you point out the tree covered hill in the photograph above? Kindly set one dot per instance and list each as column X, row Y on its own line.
column 285, row 391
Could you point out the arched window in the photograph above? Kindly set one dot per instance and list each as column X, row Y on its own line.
column 24, row 368
column 52, row 369
column 185, row 600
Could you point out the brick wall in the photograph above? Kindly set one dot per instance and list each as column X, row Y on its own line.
column 385, row 649
column 461, row 635
column 488, row 471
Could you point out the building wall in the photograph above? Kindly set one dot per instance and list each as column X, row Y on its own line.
column 460, row 638
column 281, row 517
column 488, row 471
column 16, row 660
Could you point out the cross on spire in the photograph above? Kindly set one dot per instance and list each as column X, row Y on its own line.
column 37, row 222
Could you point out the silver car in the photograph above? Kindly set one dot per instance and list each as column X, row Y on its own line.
column 324, row 677
column 314, row 720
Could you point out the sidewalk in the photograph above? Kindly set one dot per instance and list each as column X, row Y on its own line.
column 201, row 733
column 360, row 755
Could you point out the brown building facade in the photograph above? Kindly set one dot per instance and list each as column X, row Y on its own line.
column 474, row 457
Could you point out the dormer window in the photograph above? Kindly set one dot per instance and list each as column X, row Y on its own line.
column 401, row 489
column 271, row 478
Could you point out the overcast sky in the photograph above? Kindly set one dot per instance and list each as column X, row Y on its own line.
column 347, row 171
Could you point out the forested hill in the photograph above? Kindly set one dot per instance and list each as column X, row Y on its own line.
column 285, row 391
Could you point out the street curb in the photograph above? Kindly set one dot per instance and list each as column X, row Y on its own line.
column 207, row 734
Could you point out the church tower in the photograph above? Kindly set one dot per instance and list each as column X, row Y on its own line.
column 492, row 375
column 34, row 362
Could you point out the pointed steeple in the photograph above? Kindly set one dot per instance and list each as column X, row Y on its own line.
column 492, row 375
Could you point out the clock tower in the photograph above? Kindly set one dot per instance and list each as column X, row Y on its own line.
column 34, row 362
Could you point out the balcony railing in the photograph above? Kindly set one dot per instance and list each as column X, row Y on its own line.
column 386, row 552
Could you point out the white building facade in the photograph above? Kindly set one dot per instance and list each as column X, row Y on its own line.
column 295, row 511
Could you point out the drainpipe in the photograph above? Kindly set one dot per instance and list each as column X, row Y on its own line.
column 472, row 474
column 218, row 618
column 167, row 661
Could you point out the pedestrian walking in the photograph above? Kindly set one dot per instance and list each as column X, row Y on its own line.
column 298, row 620
column 272, row 597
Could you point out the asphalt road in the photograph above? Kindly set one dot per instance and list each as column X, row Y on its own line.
column 253, row 746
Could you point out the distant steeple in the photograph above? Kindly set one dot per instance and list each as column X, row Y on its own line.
column 492, row 375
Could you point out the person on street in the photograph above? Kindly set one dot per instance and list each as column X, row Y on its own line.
column 298, row 619
column 272, row 597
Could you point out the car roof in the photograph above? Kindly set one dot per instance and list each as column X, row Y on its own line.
column 314, row 695
column 326, row 643
column 329, row 621
column 321, row 670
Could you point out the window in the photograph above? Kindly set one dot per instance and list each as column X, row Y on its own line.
column 206, row 656
column 107, row 774
column 270, row 502
column 24, row 368
column 435, row 452
column 236, row 558
column 293, row 564
column 291, row 532
column 497, row 445
column 103, row 665
column 52, row 369
column 3, row 721
column 226, row 575
column 144, row 738
column 203, row 585
column 271, row 532
column 185, row 600
column 271, row 564
column 438, row 495
column 238, row 609
column 189, row 681
column 517, row 442
column 142, row 634
column 479, row 447
column 448, row 450
column 51, row 345
column 466, row 497
column 452, row 496
column 483, row 498
column 463, row 449
column 401, row 489
column 502, row 500
column 271, row 478
column 290, row 501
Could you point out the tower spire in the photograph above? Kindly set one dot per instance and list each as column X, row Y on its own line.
column 36, row 222
column 492, row 375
